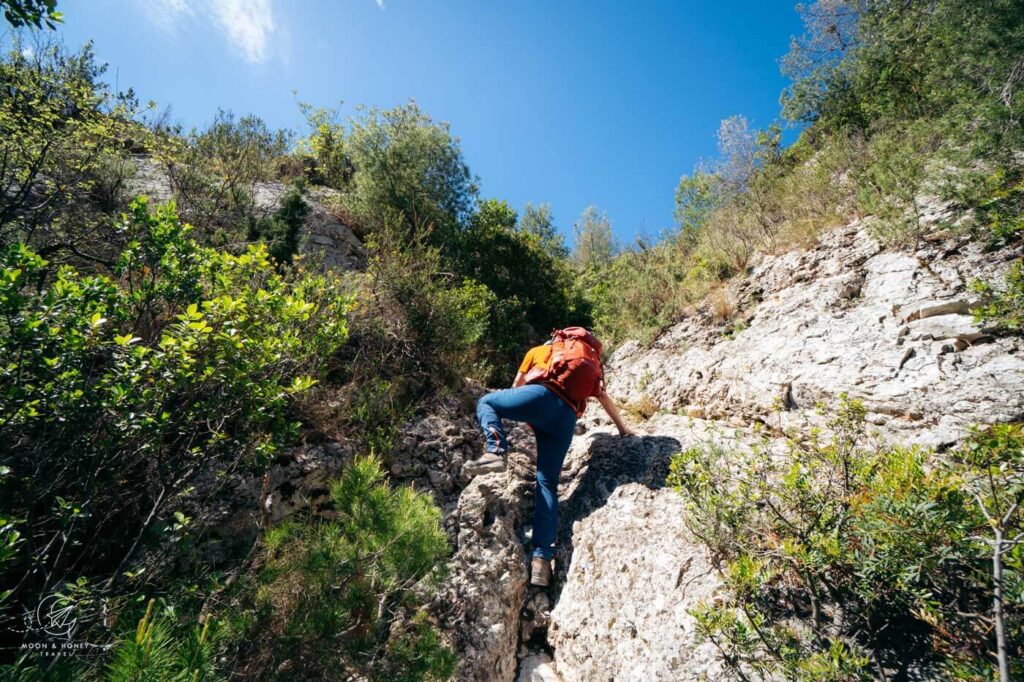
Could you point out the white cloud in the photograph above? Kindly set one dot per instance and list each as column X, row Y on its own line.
column 248, row 25
column 380, row 3
column 167, row 13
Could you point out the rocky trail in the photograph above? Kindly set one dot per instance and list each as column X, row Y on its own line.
column 891, row 328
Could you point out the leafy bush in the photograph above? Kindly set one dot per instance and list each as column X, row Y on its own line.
column 324, row 148
column 282, row 231
column 532, row 288
column 848, row 560
column 1003, row 309
column 641, row 292
column 115, row 394
column 409, row 171
column 891, row 183
column 335, row 595
column 63, row 136
column 214, row 172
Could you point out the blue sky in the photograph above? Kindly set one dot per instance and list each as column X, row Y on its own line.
column 573, row 103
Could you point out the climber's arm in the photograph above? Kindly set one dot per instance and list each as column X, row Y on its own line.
column 520, row 378
column 609, row 406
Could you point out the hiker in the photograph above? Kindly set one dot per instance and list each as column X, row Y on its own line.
column 550, row 392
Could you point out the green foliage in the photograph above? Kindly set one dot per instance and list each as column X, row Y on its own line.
column 531, row 288
column 537, row 221
column 409, row 171
column 642, row 291
column 282, row 231
column 63, row 138
column 1003, row 309
column 116, row 393
column 437, row 316
column 340, row 589
column 20, row 13
column 214, row 172
column 891, row 180
column 1001, row 211
column 845, row 559
column 697, row 196
column 158, row 654
column 594, row 244
column 864, row 61
column 325, row 148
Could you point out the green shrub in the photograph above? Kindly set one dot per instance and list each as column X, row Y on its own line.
column 439, row 316
column 849, row 560
column 324, row 149
column 157, row 653
column 335, row 594
column 532, row 288
column 1001, row 208
column 1003, row 310
column 282, row 231
column 63, row 140
column 214, row 172
column 115, row 394
column 409, row 172
column 642, row 292
column 892, row 181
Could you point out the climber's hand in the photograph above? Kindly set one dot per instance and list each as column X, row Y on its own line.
column 626, row 431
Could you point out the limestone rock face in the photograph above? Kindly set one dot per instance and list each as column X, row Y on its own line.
column 629, row 570
column 327, row 241
column 232, row 511
column 635, row 573
column 893, row 329
column 480, row 601
column 478, row 605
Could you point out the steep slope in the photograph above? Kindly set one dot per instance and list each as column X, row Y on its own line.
column 892, row 328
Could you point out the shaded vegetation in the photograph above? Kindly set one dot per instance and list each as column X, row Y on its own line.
column 336, row 598
column 845, row 559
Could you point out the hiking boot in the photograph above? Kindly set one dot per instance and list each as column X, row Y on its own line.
column 490, row 463
column 540, row 572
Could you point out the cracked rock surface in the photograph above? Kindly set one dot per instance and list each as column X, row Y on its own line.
column 891, row 328
column 635, row 573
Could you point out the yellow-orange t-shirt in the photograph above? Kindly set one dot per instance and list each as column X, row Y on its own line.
column 538, row 356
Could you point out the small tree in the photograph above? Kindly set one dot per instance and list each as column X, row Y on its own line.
column 346, row 585
column 409, row 169
column 996, row 482
column 537, row 221
column 594, row 246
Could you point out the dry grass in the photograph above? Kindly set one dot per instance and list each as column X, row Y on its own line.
column 723, row 307
column 643, row 409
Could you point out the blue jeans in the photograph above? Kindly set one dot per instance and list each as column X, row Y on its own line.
column 553, row 423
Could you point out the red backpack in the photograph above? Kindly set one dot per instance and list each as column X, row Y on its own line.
column 575, row 369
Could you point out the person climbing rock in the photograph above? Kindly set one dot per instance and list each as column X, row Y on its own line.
column 550, row 392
